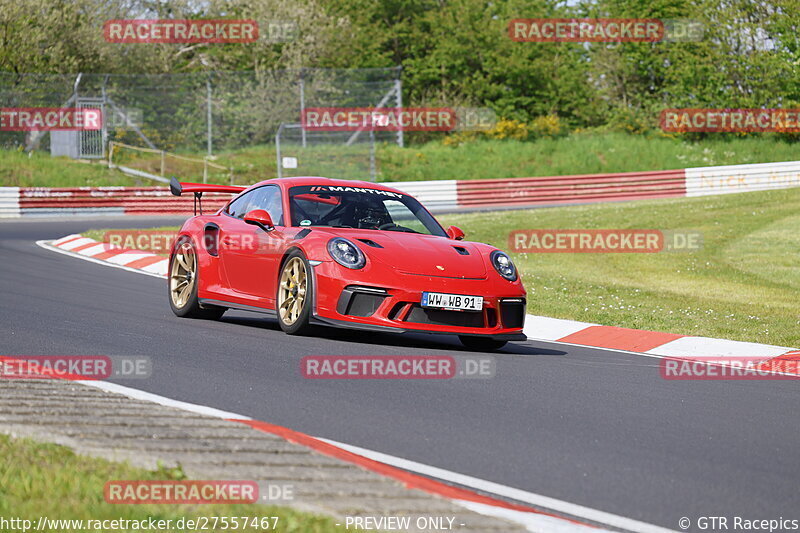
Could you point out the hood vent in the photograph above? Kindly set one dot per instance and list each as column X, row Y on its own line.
column 370, row 242
column 462, row 251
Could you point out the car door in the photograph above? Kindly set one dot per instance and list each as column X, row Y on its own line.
column 249, row 254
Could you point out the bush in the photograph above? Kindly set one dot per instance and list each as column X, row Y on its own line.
column 509, row 129
column 546, row 126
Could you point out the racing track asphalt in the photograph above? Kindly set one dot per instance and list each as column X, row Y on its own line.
column 592, row 427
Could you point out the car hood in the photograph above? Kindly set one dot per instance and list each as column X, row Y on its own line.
column 426, row 255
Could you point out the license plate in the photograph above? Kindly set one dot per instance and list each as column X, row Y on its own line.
column 460, row 302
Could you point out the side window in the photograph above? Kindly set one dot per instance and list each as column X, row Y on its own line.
column 238, row 207
column 268, row 198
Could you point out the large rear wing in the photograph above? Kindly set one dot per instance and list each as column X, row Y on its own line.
column 178, row 188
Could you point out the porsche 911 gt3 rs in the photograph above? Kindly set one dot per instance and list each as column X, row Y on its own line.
column 360, row 255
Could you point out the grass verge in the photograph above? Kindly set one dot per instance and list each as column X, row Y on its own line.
column 50, row 480
column 579, row 153
column 743, row 284
column 18, row 169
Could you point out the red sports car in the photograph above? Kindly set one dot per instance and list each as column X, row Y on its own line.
column 342, row 253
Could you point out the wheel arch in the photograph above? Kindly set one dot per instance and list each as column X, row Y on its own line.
column 314, row 287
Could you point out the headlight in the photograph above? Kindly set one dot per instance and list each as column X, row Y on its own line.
column 504, row 266
column 346, row 253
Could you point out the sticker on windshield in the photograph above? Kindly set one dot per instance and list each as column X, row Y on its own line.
column 305, row 222
column 363, row 190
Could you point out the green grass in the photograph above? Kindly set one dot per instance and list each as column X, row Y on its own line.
column 588, row 153
column 579, row 153
column 743, row 284
column 17, row 169
column 49, row 480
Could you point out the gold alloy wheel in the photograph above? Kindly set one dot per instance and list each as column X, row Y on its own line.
column 182, row 278
column 292, row 291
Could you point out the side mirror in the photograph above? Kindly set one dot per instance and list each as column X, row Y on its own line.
column 455, row 233
column 260, row 218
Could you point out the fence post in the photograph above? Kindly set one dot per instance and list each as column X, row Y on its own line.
column 163, row 157
column 398, row 91
column 278, row 149
column 208, row 113
column 302, row 104
column 372, row 170
column 104, row 106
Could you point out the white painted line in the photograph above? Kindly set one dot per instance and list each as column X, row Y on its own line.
column 74, row 244
column 533, row 522
column 490, row 487
column 58, row 242
column 159, row 268
column 137, row 394
column 127, row 257
column 98, row 248
column 708, row 347
column 47, row 246
column 552, row 329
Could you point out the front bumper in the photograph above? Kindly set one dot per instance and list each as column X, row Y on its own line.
column 381, row 302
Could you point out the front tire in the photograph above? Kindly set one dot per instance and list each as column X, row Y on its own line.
column 183, row 282
column 481, row 344
column 295, row 287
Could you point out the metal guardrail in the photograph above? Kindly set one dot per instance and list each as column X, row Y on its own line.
column 9, row 202
column 441, row 195
column 36, row 201
column 571, row 189
column 702, row 181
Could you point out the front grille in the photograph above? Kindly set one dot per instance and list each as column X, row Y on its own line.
column 356, row 301
column 364, row 304
column 441, row 317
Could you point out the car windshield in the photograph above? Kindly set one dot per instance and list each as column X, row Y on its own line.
column 361, row 208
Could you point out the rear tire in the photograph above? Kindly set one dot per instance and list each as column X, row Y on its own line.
column 481, row 344
column 183, row 282
column 293, row 299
